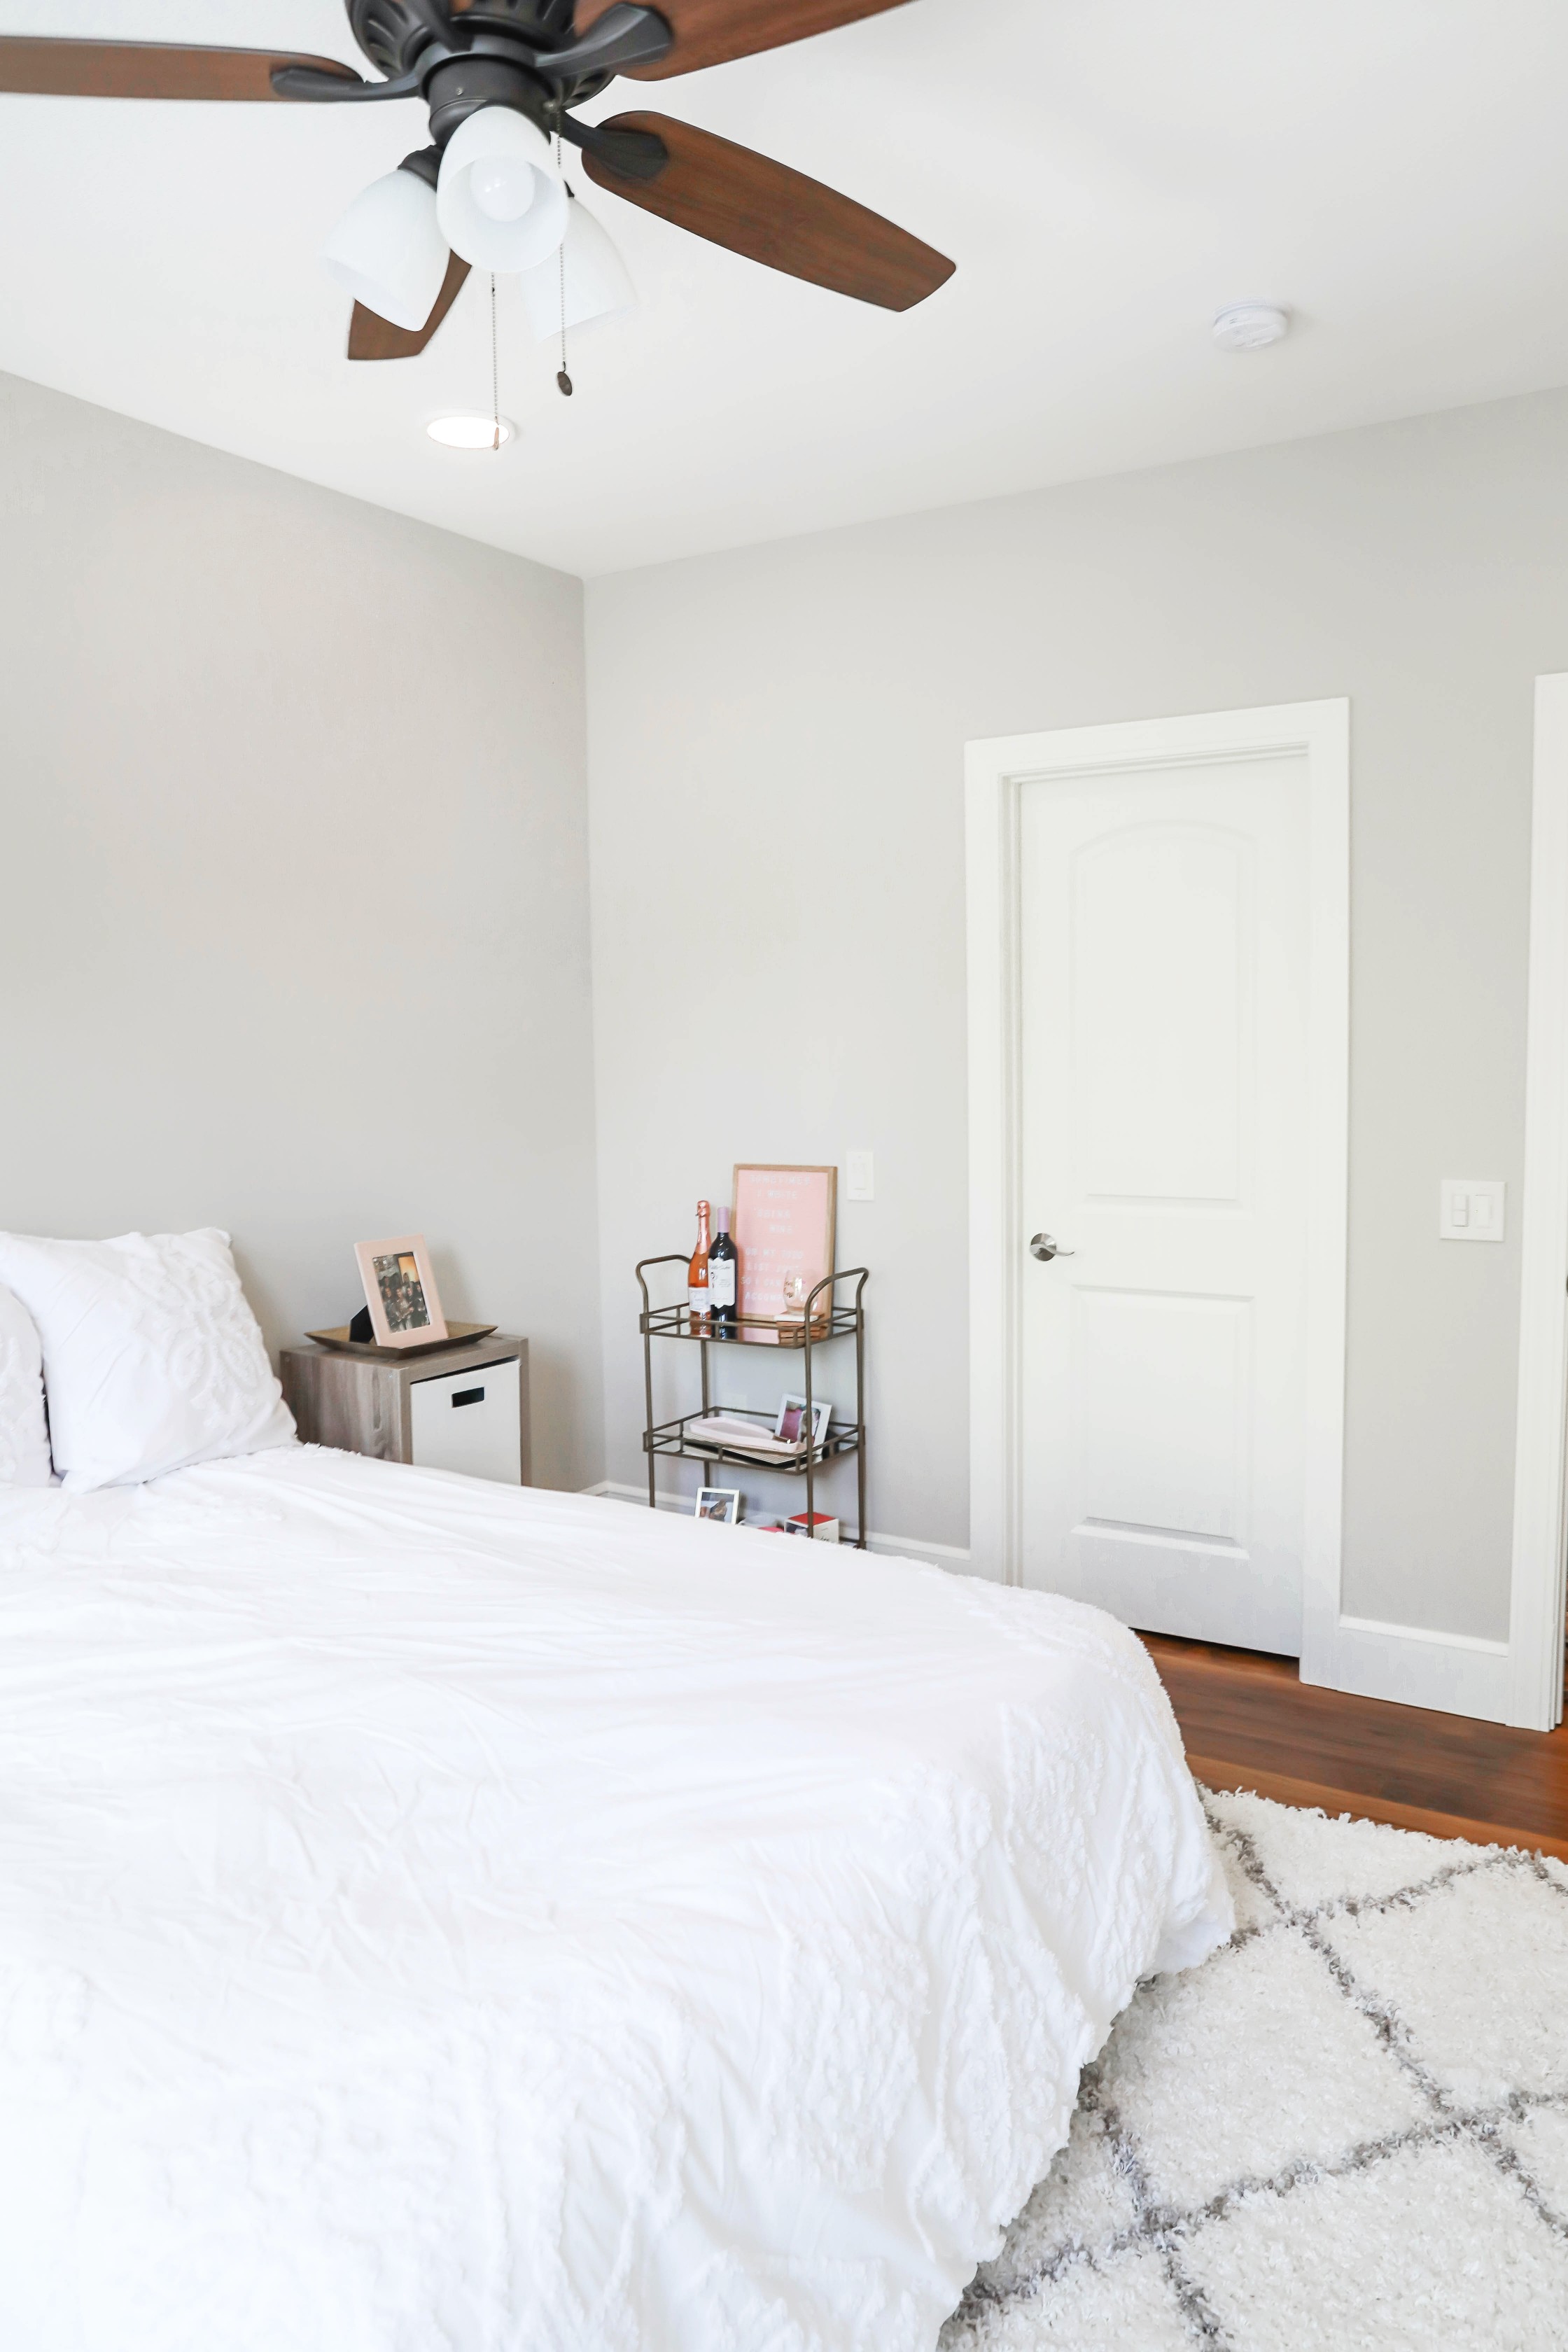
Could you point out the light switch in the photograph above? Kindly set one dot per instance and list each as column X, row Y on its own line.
column 860, row 1176
column 1470, row 1209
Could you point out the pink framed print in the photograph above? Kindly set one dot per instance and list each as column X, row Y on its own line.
column 400, row 1292
column 784, row 1221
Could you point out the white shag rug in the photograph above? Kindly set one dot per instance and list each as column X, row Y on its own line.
column 1349, row 2129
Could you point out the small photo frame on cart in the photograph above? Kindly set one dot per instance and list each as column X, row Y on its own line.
column 791, row 1417
column 720, row 1504
column 400, row 1291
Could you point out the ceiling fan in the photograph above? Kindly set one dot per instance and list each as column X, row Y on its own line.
column 500, row 79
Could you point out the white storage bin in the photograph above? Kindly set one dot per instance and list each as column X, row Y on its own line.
column 470, row 1421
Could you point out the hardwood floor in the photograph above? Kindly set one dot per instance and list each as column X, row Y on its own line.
column 1249, row 1723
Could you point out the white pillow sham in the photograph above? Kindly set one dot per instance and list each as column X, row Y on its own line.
column 23, row 1432
column 152, row 1360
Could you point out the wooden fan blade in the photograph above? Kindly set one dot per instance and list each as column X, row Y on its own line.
column 373, row 338
column 146, row 69
column 708, row 32
column 774, row 215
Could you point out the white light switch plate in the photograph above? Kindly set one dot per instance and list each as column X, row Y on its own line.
column 1470, row 1209
column 860, row 1176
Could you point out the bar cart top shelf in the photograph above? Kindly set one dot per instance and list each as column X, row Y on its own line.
column 675, row 1323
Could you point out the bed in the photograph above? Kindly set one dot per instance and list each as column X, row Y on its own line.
column 439, row 1917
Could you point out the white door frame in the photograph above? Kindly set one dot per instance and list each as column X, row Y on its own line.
column 996, row 772
column 1536, row 1598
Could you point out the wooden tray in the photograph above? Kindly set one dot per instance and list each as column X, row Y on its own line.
column 458, row 1335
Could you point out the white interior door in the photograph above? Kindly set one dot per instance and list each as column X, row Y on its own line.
column 1164, row 950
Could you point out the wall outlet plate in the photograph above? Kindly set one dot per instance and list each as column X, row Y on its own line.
column 860, row 1176
column 1470, row 1208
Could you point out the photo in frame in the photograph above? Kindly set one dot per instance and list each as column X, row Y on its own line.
column 400, row 1292
column 720, row 1504
column 783, row 1221
column 791, row 1420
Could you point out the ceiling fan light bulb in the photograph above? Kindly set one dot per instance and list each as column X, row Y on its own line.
column 503, row 186
column 388, row 251
column 499, row 158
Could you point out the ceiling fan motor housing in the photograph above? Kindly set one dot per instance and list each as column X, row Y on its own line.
column 393, row 32
column 463, row 86
column 478, row 56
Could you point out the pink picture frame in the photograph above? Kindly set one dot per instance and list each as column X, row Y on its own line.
column 784, row 1223
column 400, row 1292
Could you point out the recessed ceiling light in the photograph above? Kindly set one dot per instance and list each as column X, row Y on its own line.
column 470, row 432
column 1250, row 326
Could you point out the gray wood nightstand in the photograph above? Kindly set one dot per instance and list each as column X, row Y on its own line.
column 462, row 1408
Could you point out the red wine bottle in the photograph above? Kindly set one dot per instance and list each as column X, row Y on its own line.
column 723, row 1281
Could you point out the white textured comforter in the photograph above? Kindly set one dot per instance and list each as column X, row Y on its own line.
column 440, row 1918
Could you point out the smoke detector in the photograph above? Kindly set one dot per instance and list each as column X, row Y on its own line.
column 1250, row 326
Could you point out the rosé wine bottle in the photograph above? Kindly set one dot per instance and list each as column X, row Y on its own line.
column 697, row 1274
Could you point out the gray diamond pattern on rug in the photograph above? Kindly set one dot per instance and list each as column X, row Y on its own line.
column 1348, row 2129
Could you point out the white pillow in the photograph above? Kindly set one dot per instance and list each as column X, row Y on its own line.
column 23, row 1432
column 151, row 1357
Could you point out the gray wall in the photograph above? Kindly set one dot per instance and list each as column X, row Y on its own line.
column 777, row 740
column 293, row 932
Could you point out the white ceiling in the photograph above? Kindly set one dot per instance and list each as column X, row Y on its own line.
column 1105, row 172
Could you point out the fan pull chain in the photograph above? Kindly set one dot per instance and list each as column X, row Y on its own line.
column 562, row 380
column 495, row 367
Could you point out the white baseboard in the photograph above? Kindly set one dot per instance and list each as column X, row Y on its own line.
column 1455, row 1673
column 954, row 1556
column 620, row 1493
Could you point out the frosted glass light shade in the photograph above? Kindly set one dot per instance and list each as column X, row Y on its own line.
column 388, row 251
column 495, row 161
column 596, row 279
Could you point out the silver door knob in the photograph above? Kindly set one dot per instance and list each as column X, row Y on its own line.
column 1041, row 1246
